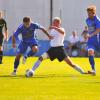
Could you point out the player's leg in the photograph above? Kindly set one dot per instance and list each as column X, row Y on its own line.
column 1, row 50
column 30, row 52
column 21, row 50
column 91, row 61
column 1, row 54
column 16, row 64
column 27, row 51
column 39, row 61
column 76, row 67
column 49, row 54
column 62, row 55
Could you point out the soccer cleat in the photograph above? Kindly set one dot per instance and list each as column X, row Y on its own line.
column 13, row 74
column 24, row 60
column 92, row 73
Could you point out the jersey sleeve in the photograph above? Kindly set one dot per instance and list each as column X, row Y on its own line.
column 38, row 26
column 97, row 23
column 17, row 32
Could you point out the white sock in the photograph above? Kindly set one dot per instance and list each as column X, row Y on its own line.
column 36, row 65
column 76, row 67
column 94, row 71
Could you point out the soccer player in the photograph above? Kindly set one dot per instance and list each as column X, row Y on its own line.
column 57, row 47
column 93, row 23
column 27, row 30
column 3, row 26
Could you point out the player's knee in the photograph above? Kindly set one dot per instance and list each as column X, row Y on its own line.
column 35, row 49
column 91, row 52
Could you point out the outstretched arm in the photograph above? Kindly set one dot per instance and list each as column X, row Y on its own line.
column 13, row 41
column 46, row 32
column 60, row 30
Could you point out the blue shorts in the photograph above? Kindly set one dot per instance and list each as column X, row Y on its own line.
column 24, row 45
column 94, row 44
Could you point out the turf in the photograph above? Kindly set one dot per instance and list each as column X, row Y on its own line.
column 52, row 81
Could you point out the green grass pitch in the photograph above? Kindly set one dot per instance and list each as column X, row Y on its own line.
column 52, row 81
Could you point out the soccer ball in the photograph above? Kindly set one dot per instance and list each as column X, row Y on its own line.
column 29, row 73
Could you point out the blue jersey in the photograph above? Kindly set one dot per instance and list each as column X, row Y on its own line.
column 94, row 41
column 93, row 24
column 28, row 34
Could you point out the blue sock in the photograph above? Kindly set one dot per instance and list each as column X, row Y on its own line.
column 36, row 65
column 16, row 63
column 92, row 62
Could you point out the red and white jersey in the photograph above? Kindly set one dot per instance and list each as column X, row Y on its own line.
column 58, row 38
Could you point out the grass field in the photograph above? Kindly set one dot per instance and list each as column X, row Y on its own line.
column 52, row 81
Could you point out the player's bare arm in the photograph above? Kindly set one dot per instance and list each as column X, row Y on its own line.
column 46, row 32
column 5, row 32
column 13, row 41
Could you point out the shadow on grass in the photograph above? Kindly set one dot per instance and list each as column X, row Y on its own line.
column 38, row 76
column 9, row 76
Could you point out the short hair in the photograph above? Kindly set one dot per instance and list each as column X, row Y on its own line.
column 57, row 19
column 26, row 19
column 91, row 8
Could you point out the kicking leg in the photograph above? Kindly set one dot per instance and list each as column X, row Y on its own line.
column 76, row 67
column 43, row 57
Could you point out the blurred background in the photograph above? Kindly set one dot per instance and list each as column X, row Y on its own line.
column 72, row 12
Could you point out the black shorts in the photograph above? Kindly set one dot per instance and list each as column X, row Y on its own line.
column 57, row 52
column 1, row 39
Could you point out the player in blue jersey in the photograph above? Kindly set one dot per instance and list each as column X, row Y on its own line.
column 93, row 23
column 27, row 30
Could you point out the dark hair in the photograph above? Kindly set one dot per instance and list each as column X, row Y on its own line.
column 26, row 19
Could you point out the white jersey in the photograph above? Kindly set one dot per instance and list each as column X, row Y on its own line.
column 73, row 39
column 58, row 38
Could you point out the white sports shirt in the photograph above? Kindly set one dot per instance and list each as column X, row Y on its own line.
column 58, row 38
